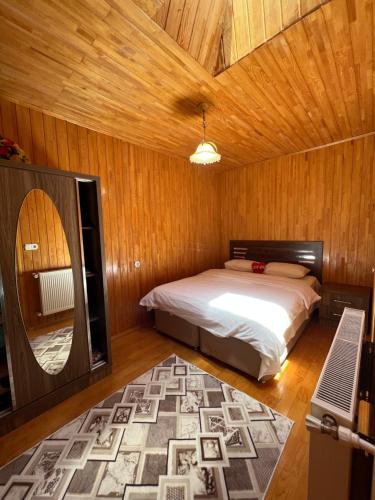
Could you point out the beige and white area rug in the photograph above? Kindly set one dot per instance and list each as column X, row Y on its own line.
column 174, row 433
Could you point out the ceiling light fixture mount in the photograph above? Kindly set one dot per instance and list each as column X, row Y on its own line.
column 206, row 152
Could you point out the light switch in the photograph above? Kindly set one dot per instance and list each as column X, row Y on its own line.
column 30, row 246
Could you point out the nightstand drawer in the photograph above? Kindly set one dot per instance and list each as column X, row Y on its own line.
column 335, row 297
column 340, row 301
column 330, row 313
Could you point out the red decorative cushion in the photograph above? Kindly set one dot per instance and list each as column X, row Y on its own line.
column 9, row 150
column 258, row 267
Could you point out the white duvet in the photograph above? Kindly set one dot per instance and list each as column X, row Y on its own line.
column 256, row 308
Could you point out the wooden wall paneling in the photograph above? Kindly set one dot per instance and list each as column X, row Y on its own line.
column 326, row 195
column 62, row 145
column 50, row 137
column 39, row 223
column 156, row 208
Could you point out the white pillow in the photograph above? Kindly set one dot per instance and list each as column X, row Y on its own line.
column 286, row 269
column 239, row 265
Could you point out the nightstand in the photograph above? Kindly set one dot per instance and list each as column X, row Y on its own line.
column 336, row 297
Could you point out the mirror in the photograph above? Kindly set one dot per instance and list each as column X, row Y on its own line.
column 45, row 281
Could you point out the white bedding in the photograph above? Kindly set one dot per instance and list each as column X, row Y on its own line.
column 256, row 308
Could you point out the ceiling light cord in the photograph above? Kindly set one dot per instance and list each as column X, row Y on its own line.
column 204, row 124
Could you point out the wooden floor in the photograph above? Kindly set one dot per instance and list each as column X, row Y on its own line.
column 136, row 352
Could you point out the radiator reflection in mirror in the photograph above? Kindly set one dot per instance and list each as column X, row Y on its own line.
column 44, row 281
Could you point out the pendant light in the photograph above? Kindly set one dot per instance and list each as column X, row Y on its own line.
column 206, row 152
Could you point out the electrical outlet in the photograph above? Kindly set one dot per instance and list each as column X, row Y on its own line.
column 137, row 264
column 30, row 247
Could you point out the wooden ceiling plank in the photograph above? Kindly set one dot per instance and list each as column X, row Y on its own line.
column 241, row 28
column 362, row 47
column 176, row 9
column 282, row 53
column 322, row 50
column 256, row 20
column 291, row 93
column 258, row 72
column 273, row 17
column 252, row 100
column 187, row 23
column 150, row 7
column 44, row 17
column 211, row 41
column 289, row 11
column 300, row 47
column 201, row 17
column 161, row 14
column 126, row 77
column 337, row 25
column 228, row 37
column 307, row 6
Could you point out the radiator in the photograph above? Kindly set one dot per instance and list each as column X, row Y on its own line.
column 336, row 396
column 56, row 290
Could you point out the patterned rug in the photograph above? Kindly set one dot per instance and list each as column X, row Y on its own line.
column 52, row 350
column 174, row 433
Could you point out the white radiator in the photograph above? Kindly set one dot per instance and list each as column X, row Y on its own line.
column 336, row 396
column 56, row 291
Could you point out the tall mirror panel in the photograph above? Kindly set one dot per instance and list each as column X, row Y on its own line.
column 45, row 281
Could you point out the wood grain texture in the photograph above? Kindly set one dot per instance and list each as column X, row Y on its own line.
column 109, row 67
column 157, row 209
column 251, row 23
column 326, row 195
column 232, row 28
column 137, row 352
column 30, row 381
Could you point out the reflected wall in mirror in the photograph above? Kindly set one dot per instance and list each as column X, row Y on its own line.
column 45, row 281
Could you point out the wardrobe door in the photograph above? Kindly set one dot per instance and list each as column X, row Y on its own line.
column 40, row 241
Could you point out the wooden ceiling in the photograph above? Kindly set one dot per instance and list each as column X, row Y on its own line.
column 108, row 66
column 218, row 33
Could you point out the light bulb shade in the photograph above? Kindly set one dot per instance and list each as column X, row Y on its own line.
column 205, row 154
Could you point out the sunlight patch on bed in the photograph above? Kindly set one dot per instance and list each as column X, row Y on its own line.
column 270, row 315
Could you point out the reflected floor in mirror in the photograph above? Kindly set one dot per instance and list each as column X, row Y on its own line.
column 52, row 350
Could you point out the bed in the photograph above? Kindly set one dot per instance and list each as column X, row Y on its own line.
column 210, row 311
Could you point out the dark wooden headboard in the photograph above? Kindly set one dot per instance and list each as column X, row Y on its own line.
column 307, row 253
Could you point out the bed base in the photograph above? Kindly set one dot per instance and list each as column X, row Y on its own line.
column 177, row 328
column 229, row 350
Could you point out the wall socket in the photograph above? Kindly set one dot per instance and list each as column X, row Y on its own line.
column 30, row 246
column 137, row 264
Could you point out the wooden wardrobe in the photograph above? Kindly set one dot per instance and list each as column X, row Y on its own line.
column 53, row 296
